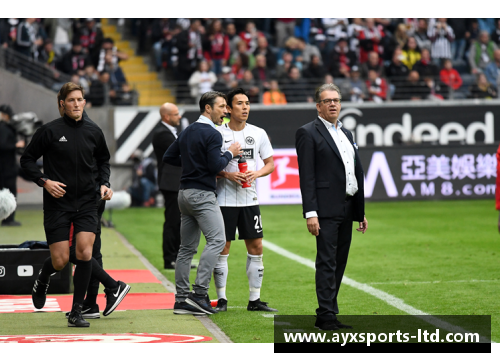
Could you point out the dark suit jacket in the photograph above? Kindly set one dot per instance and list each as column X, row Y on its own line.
column 322, row 173
column 169, row 176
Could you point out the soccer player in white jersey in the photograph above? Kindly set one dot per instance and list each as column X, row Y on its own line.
column 239, row 206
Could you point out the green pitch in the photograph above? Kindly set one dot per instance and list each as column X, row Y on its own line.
column 438, row 257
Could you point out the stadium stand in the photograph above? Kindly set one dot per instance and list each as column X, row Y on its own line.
column 150, row 61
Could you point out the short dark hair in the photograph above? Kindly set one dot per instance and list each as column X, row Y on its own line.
column 230, row 95
column 209, row 98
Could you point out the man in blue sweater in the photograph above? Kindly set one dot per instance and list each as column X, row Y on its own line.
column 198, row 151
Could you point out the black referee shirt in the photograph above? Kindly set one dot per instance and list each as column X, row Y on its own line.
column 70, row 149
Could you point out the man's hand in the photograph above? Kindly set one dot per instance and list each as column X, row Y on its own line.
column 237, row 177
column 55, row 188
column 235, row 149
column 363, row 226
column 106, row 193
column 251, row 176
column 313, row 226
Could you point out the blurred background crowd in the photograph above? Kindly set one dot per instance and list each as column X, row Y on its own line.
column 277, row 61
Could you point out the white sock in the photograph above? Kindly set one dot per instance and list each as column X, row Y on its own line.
column 255, row 272
column 220, row 276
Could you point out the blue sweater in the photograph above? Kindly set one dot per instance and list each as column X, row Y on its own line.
column 198, row 151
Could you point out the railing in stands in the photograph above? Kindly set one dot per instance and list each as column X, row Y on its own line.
column 31, row 70
column 97, row 94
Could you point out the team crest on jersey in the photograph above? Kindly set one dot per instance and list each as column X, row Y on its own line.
column 249, row 140
column 247, row 153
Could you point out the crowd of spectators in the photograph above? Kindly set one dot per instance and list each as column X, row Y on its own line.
column 277, row 61
column 75, row 47
column 282, row 61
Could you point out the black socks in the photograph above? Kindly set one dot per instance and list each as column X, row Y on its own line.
column 47, row 270
column 81, row 279
column 99, row 273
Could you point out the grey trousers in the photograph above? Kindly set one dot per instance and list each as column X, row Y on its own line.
column 200, row 213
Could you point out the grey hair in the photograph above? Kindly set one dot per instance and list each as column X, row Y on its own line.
column 324, row 87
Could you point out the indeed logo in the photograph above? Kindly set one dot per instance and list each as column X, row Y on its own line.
column 247, row 153
column 422, row 132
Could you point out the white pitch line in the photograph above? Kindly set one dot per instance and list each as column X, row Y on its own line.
column 438, row 282
column 377, row 293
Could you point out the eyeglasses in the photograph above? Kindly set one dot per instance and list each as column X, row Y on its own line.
column 328, row 101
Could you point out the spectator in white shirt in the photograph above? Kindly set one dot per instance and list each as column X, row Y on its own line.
column 201, row 81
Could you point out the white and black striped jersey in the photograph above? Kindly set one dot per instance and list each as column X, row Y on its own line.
column 441, row 41
column 254, row 142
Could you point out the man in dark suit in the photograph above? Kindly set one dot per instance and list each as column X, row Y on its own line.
column 168, row 182
column 331, row 183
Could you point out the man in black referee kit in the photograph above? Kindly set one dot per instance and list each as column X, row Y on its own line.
column 198, row 151
column 115, row 290
column 69, row 145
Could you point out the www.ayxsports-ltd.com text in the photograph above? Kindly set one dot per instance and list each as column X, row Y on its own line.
column 423, row 336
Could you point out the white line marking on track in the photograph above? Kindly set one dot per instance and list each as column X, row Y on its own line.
column 207, row 322
column 386, row 297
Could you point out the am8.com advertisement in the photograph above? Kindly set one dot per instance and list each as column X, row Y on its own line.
column 399, row 173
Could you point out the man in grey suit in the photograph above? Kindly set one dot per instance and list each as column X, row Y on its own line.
column 169, row 177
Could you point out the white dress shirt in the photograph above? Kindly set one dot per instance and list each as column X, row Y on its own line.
column 346, row 151
column 205, row 120
column 171, row 128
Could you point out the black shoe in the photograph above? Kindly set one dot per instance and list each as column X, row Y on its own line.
column 342, row 325
column 200, row 302
column 114, row 297
column 171, row 265
column 75, row 318
column 88, row 312
column 221, row 305
column 184, row 308
column 39, row 293
column 328, row 325
column 11, row 223
column 258, row 305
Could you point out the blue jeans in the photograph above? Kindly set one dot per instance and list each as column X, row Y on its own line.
column 160, row 48
column 147, row 188
column 458, row 49
column 142, row 193
column 217, row 66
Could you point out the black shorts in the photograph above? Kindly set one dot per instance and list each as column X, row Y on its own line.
column 247, row 219
column 57, row 224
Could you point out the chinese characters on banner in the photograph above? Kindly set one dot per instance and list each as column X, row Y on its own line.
column 461, row 172
column 399, row 173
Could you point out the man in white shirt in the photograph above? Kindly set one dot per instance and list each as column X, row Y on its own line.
column 239, row 206
column 331, row 183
